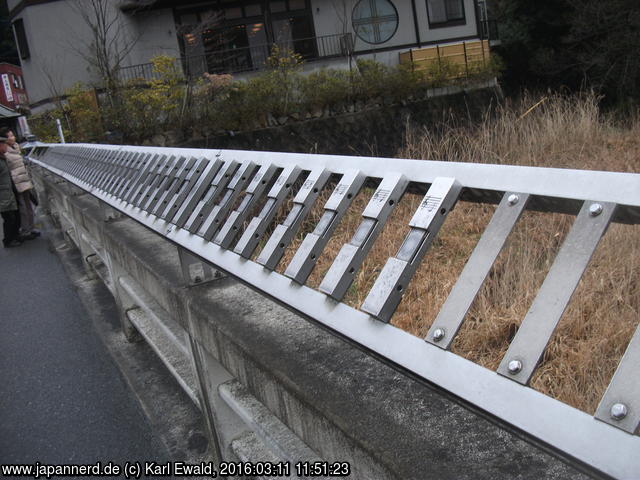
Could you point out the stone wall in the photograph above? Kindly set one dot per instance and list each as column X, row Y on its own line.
column 373, row 132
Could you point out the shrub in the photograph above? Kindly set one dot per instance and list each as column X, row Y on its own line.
column 371, row 80
column 84, row 114
column 443, row 72
column 325, row 88
column 141, row 111
column 43, row 125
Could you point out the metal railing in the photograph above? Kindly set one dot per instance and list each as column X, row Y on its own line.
column 247, row 59
column 201, row 200
column 489, row 30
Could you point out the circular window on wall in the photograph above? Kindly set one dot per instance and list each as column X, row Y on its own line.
column 375, row 21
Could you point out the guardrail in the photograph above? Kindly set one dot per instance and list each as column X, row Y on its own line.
column 221, row 205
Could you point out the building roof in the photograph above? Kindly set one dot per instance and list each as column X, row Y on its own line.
column 8, row 113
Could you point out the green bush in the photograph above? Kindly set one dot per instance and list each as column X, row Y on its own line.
column 218, row 102
column 84, row 114
column 325, row 88
column 43, row 125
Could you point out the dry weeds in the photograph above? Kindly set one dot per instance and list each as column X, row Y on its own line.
column 553, row 131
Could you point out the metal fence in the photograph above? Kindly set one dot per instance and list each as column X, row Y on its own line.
column 247, row 59
column 221, row 205
column 489, row 30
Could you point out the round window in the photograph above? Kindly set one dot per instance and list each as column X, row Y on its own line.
column 374, row 21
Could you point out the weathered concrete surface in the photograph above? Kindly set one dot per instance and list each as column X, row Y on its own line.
column 348, row 405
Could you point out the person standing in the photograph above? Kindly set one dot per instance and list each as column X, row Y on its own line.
column 23, row 184
column 8, row 204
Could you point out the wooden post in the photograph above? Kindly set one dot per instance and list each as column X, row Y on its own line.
column 466, row 63
column 484, row 60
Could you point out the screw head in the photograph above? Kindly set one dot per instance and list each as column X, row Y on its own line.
column 513, row 199
column 514, row 366
column 197, row 280
column 619, row 411
column 595, row 209
column 438, row 334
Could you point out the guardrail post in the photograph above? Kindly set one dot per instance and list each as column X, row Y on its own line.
column 123, row 300
column 196, row 271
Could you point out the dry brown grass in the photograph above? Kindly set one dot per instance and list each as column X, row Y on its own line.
column 601, row 318
column 604, row 312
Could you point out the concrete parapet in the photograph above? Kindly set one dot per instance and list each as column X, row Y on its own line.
column 276, row 386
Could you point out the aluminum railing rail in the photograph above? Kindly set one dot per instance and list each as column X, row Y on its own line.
column 200, row 200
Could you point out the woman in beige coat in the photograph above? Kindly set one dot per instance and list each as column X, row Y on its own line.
column 23, row 184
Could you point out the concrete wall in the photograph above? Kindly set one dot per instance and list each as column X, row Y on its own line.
column 54, row 33
column 276, row 387
column 156, row 35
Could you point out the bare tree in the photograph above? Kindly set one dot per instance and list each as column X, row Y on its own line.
column 110, row 42
column 53, row 79
column 342, row 10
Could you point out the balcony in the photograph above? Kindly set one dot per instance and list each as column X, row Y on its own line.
column 246, row 59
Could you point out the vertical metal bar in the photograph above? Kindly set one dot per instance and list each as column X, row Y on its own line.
column 101, row 168
column 128, row 172
column 113, row 165
column 118, row 173
column 79, row 163
column 83, row 172
column 529, row 344
column 256, row 188
column 96, row 167
column 173, row 185
column 239, row 182
column 107, row 167
column 145, row 180
column 387, row 291
column 167, row 177
column 145, row 164
column 313, row 244
column 455, row 308
column 620, row 404
column 193, row 195
column 136, row 168
column 162, row 168
column 174, row 203
column 340, row 275
column 207, row 203
column 256, row 228
column 302, row 203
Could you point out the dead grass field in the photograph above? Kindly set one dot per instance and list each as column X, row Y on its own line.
column 554, row 131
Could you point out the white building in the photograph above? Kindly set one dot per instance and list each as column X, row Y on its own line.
column 229, row 36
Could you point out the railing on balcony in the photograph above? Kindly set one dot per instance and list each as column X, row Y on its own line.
column 247, row 59
column 489, row 30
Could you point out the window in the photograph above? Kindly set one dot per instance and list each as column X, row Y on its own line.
column 235, row 36
column 374, row 21
column 445, row 13
column 21, row 39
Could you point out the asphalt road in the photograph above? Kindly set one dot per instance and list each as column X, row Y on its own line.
column 62, row 398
